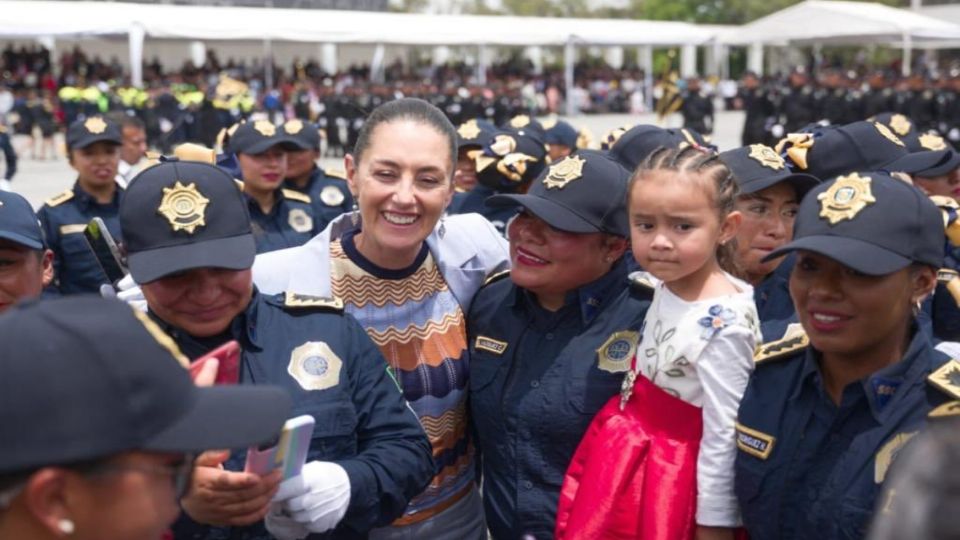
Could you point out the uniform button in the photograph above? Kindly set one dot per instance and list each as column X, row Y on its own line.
column 549, row 336
column 534, row 384
column 527, row 484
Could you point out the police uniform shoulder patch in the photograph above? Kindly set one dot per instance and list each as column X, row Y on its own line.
column 642, row 280
column 315, row 366
column 299, row 220
column 947, row 378
column 489, row 344
column 794, row 339
column 617, row 351
column 332, row 196
column 493, row 278
column 335, row 173
column 59, row 199
column 296, row 195
column 298, row 301
column 753, row 442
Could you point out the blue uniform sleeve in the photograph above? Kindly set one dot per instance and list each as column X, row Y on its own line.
column 10, row 155
column 394, row 459
column 52, row 237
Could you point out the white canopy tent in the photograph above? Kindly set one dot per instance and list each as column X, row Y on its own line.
column 820, row 22
column 47, row 20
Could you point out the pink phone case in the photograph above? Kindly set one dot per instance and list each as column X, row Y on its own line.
column 289, row 454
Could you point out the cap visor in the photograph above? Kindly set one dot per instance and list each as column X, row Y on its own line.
column 915, row 162
column 949, row 162
column 20, row 239
column 801, row 182
column 226, row 417
column 233, row 253
column 862, row 256
column 556, row 215
column 93, row 139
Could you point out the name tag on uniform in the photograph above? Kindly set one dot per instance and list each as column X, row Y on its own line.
column 754, row 442
column 495, row 346
column 72, row 229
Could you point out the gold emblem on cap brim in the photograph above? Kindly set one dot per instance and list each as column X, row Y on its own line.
column 885, row 131
column 931, row 141
column 293, row 126
column 265, row 128
column 184, row 207
column 900, row 124
column 95, row 125
column 519, row 121
column 564, row 172
column 764, row 155
column 469, row 129
column 846, row 198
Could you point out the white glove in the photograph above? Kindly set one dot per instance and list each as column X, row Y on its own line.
column 129, row 292
column 318, row 498
column 282, row 526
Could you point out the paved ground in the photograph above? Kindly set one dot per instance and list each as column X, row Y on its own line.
column 39, row 180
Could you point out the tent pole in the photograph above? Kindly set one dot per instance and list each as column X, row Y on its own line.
column 569, row 57
column 481, row 65
column 135, row 45
column 907, row 55
column 645, row 57
column 267, row 64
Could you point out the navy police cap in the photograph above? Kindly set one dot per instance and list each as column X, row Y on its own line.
column 305, row 135
column 18, row 223
column 93, row 129
column 585, row 192
column 259, row 136
column 757, row 167
column 181, row 215
column 870, row 222
column 85, row 378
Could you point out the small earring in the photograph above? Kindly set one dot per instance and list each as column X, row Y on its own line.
column 66, row 526
column 443, row 228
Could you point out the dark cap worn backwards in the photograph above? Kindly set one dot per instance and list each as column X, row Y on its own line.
column 305, row 134
column 258, row 136
column 757, row 167
column 93, row 129
column 830, row 151
column 585, row 192
column 181, row 215
column 84, row 378
column 18, row 223
column 869, row 221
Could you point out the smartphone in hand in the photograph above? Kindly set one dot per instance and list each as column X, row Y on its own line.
column 288, row 453
column 105, row 250
column 228, row 355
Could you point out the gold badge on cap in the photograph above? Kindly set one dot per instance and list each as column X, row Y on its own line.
column 846, row 198
column 95, row 125
column 564, row 172
column 764, row 155
column 617, row 351
column 293, row 126
column 519, row 121
column 931, row 141
column 184, row 207
column 503, row 145
column 885, row 131
column 299, row 220
column 332, row 196
column 900, row 124
column 469, row 129
column 265, row 128
column 315, row 366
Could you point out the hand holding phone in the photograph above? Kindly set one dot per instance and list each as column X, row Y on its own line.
column 288, row 454
column 228, row 356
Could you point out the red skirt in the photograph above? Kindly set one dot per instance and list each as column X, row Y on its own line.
column 634, row 474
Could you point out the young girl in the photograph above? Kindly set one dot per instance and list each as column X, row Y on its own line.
column 657, row 462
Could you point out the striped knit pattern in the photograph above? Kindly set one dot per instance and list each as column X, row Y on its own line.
column 419, row 327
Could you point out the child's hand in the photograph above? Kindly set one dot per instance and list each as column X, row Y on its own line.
column 714, row 533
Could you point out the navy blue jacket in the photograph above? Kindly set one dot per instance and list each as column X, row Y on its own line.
column 807, row 468
column 64, row 219
column 472, row 201
column 774, row 305
column 329, row 195
column 290, row 223
column 362, row 421
column 536, row 381
column 8, row 154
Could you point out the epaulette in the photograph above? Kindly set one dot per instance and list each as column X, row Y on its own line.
column 947, row 410
column 296, row 195
column 297, row 300
column 947, row 379
column 239, row 184
column 641, row 283
column 60, row 199
column 793, row 340
column 336, row 173
column 493, row 278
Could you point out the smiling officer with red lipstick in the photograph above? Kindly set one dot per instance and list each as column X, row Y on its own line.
column 549, row 346
column 831, row 404
column 281, row 218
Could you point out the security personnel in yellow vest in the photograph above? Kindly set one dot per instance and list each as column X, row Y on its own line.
column 93, row 148
column 281, row 218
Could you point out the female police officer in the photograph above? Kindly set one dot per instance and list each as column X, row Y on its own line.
column 191, row 248
column 830, row 405
column 550, row 345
